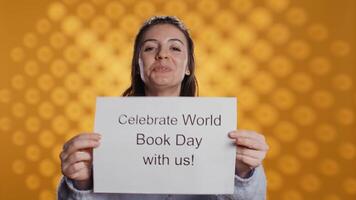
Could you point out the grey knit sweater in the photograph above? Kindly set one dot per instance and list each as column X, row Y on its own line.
column 252, row 188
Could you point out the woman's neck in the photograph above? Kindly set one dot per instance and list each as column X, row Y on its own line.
column 163, row 92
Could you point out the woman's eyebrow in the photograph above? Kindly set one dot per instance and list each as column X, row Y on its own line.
column 154, row 40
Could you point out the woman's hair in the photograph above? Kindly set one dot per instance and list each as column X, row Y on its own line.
column 189, row 85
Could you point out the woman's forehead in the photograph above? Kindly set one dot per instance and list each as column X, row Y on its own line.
column 162, row 32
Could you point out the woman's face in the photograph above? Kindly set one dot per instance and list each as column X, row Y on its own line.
column 163, row 57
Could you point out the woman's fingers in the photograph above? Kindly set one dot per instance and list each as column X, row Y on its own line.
column 246, row 134
column 77, row 157
column 250, row 153
column 83, row 141
column 78, row 171
column 249, row 161
column 252, row 144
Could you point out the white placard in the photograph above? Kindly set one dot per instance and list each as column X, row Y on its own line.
column 165, row 145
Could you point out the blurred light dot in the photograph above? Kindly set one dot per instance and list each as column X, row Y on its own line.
column 33, row 124
column 296, row 16
column 114, row 10
column 47, row 168
column 331, row 197
column 275, row 180
column 5, row 124
column 260, row 18
column 301, row 82
column 291, row 195
column 59, row 68
column 278, row 33
column 248, row 99
column 71, row 25
column 244, row 35
column 74, row 111
column 307, row 149
column 329, row 167
column 73, row 82
column 322, row 99
column 206, row 7
column 299, row 49
column 317, row 32
column 18, row 166
column 45, row 82
column 45, row 54
column 31, row 68
column 86, row 11
column 342, row 82
column 17, row 54
column 32, row 95
column 19, row 138
column 304, row 115
column 32, row 182
column 310, row 183
column 176, row 7
column 46, row 139
column 320, row 65
column 242, row 6
column 345, row 116
column 248, row 124
column 86, row 39
column 325, row 132
column 46, row 110
column 283, row 98
column 349, row 186
column 285, row 131
column 30, row 40
column 56, row 150
column 261, row 50
column 47, row 195
column 145, row 9
column 57, row 40
column 277, row 5
column 266, row 114
column 263, row 82
column 100, row 25
column 43, row 26
column 18, row 109
column 56, row 11
column 59, row 96
column 5, row 95
column 130, row 23
column 340, row 48
column 194, row 21
column 60, row 125
column 288, row 164
column 86, row 122
column 347, row 150
column 33, row 152
column 274, row 147
column 18, row 82
column 73, row 54
column 280, row 66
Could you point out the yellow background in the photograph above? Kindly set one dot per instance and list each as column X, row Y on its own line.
column 290, row 63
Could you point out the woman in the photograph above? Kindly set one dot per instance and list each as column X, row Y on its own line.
column 163, row 65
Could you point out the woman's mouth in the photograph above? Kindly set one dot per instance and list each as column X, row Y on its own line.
column 161, row 68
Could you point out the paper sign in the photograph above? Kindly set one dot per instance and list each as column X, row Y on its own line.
column 165, row 145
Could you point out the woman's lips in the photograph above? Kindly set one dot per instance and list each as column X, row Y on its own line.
column 161, row 68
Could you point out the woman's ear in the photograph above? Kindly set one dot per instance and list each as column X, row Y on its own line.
column 187, row 72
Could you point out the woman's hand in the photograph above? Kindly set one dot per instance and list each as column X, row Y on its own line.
column 76, row 159
column 251, row 149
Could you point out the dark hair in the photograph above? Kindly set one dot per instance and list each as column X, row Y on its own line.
column 189, row 85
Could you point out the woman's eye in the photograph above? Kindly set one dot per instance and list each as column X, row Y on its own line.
column 148, row 49
column 176, row 49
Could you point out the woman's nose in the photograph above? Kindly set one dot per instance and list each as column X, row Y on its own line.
column 161, row 54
